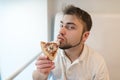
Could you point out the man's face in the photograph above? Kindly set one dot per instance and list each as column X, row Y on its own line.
column 70, row 33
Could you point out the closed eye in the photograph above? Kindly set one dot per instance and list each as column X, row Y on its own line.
column 69, row 26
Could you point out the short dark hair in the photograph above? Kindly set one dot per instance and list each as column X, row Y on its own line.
column 80, row 14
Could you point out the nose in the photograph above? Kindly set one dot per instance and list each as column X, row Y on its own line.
column 62, row 31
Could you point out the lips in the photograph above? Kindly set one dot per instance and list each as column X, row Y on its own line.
column 60, row 38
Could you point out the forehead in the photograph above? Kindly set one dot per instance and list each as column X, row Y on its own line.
column 71, row 19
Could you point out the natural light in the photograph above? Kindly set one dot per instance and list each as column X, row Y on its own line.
column 23, row 24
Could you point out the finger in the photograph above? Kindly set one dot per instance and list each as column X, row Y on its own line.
column 46, row 70
column 42, row 57
column 40, row 62
column 45, row 66
column 52, row 67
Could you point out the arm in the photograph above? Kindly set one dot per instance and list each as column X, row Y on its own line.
column 39, row 76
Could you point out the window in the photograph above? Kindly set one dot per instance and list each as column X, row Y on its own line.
column 23, row 24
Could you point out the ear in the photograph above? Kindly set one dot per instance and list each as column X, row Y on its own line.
column 85, row 35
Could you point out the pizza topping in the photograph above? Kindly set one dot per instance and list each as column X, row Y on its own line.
column 50, row 49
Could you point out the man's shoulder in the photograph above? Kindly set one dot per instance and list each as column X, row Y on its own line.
column 94, row 55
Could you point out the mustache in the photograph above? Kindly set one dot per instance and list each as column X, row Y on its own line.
column 60, row 36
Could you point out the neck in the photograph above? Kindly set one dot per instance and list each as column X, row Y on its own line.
column 74, row 53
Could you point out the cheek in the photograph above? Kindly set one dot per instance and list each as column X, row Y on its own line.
column 78, row 35
column 74, row 38
column 72, row 35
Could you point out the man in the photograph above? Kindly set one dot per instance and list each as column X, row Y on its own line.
column 75, row 60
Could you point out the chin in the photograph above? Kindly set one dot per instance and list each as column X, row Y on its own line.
column 65, row 47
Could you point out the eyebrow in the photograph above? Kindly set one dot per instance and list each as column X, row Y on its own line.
column 68, row 23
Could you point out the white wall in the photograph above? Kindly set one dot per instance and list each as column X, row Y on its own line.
column 105, row 39
column 105, row 34
column 23, row 24
column 93, row 6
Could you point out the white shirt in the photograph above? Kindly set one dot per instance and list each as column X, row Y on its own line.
column 89, row 66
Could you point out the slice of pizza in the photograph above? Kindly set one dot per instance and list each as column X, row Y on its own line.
column 49, row 49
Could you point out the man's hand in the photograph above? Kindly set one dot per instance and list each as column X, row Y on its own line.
column 44, row 65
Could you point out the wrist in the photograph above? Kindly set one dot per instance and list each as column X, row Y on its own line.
column 39, row 76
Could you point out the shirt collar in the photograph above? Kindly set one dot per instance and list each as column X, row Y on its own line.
column 82, row 56
column 63, row 53
column 84, row 53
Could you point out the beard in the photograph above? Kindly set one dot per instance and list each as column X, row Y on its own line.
column 67, row 46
